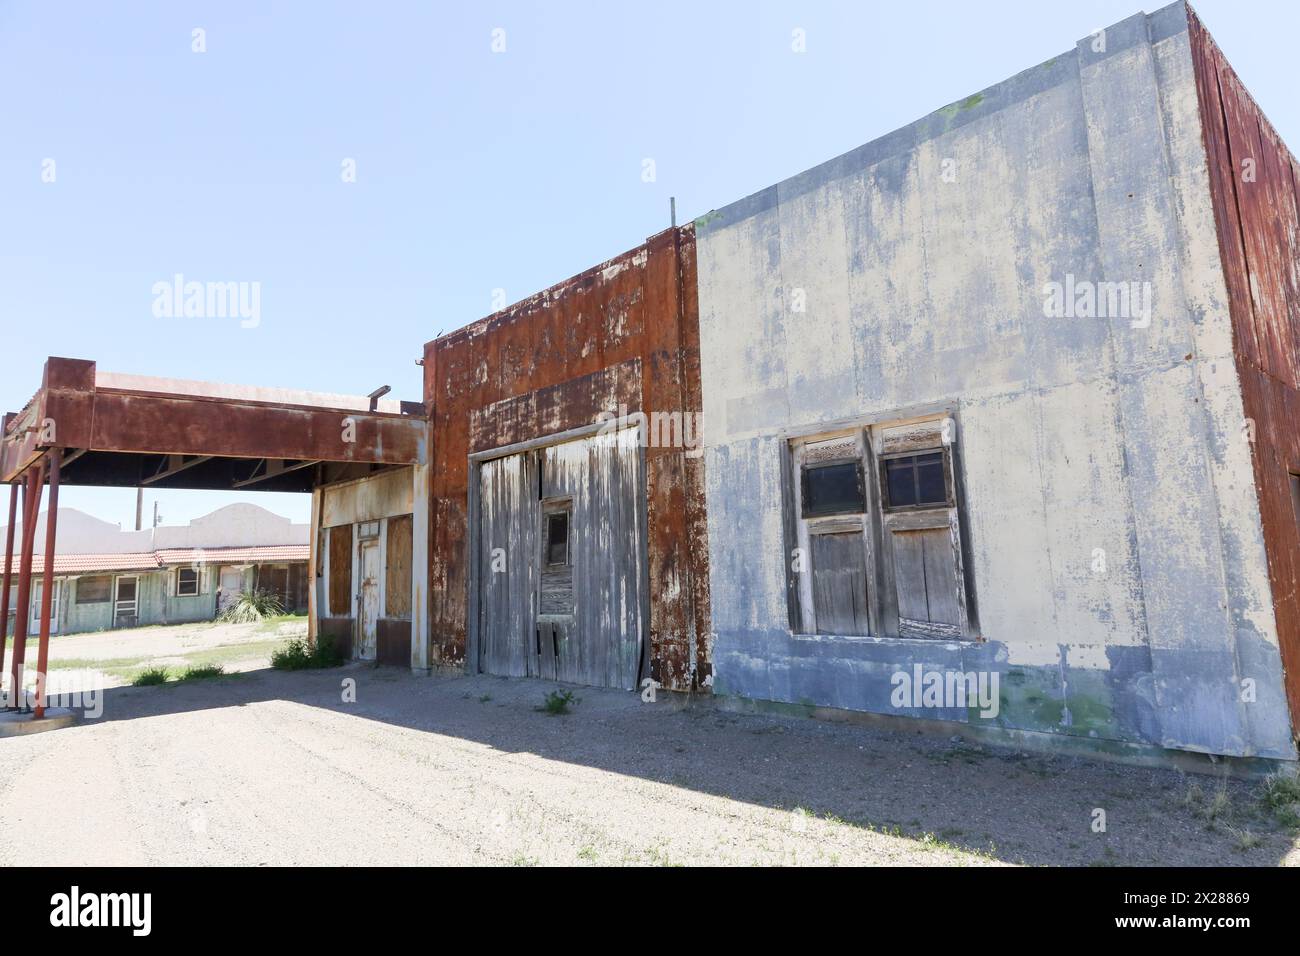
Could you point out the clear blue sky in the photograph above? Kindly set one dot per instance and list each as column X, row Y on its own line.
column 475, row 170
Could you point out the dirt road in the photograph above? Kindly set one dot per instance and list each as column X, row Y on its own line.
column 275, row 768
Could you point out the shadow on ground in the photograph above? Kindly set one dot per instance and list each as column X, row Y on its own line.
column 999, row 804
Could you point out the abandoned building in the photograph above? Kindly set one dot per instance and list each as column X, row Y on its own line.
column 918, row 455
column 105, row 577
column 1007, row 396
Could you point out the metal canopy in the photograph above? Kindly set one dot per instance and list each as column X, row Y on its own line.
column 128, row 431
column 85, row 427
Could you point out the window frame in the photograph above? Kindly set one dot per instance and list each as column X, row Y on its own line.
column 548, row 515
column 805, row 488
column 198, row 582
column 879, row 440
column 949, row 499
column 108, row 596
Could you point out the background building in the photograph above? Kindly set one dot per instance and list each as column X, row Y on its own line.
column 106, row 577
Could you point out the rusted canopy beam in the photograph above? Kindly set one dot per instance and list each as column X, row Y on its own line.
column 273, row 469
column 174, row 465
column 113, row 415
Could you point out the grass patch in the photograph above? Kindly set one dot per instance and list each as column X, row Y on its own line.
column 127, row 668
column 1243, row 840
column 558, row 702
column 1210, row 807
column 298, row 654
column 203, row 672
column 1280, row 795
column 150, row 677
column 272, row 625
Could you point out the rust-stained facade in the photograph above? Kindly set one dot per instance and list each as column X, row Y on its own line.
column 620, row 338
column 1255, row 187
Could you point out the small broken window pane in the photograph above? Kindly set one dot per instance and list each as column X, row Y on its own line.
column 833, row 489
column 557, row 538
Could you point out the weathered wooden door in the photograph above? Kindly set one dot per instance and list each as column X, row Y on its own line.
column 368, row 600
column 126, row 608
column 35, row 626
column 561, row 541
column 232, row 585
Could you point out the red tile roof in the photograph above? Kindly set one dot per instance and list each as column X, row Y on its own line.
column 262, row 554
column 79, row 563
column 153, row 560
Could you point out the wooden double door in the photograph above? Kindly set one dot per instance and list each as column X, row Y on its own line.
column 560, row 551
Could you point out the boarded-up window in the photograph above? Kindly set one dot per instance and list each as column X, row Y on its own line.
column 341, row 571
column 94, row 590
column 875, row 518
column 839, row 583
column 397, row 569
column 925, row 576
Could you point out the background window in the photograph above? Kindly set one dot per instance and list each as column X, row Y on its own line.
column 916, row 481
column 187, row 582
column 94, row 590
column 833, row 489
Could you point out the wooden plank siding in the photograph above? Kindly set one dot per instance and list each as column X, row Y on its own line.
column 340, row 565
column 397, row 570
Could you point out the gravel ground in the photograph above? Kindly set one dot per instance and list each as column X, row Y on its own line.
column 270, row 768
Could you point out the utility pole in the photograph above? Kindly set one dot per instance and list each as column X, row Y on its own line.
column 139, row 508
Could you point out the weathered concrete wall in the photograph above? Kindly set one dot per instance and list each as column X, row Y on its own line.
column 921, row 260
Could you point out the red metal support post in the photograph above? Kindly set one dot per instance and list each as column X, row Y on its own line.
column 8, row 578
column 22, row 612
column 47, row 587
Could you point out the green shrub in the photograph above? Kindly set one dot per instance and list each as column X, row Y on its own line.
column 251, row 607
column 150, row 677
column 203, row 672
column 301, row 654
column 557, row 702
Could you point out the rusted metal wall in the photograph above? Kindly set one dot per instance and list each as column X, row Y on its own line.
column 1254, row 183
column 622, row 334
